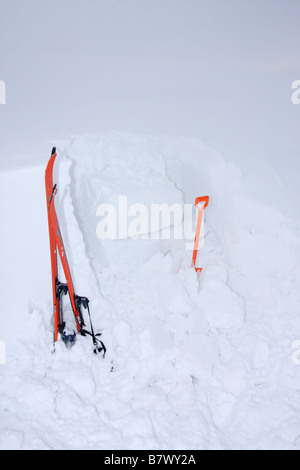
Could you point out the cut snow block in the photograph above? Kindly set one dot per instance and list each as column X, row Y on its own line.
column 160, row 336
column 222, row 306
column 156, row 337
column 199, row 355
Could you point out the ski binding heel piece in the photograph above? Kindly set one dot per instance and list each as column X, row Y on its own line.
column 68, row 337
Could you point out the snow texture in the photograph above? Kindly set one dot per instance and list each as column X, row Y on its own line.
column 194, row 362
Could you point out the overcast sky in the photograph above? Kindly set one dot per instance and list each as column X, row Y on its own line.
column 219, row 70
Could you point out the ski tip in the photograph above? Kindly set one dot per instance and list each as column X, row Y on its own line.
column 53, row 151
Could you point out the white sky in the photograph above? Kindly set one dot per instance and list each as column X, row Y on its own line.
column 219, row 70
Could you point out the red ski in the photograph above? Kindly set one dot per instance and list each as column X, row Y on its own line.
column 58, row 288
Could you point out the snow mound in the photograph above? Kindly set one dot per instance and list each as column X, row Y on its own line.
column 199, row 362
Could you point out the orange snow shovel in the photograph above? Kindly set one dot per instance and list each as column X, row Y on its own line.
column 201, row 203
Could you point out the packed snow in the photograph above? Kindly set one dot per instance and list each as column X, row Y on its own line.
column 194, row 361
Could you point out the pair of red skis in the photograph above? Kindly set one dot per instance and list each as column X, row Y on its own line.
column 60, row 289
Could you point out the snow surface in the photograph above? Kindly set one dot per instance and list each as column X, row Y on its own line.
column 198, row 362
